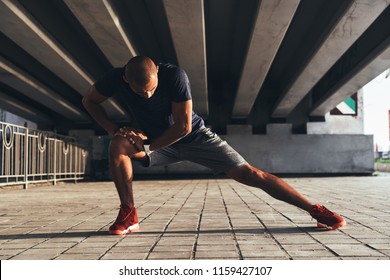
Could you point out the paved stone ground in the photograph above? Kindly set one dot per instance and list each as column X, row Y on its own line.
column 196, row 219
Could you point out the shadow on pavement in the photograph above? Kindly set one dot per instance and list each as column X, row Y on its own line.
column 86, row 234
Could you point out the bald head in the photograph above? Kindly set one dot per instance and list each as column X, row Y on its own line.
column 140, row 70
column 141, row 75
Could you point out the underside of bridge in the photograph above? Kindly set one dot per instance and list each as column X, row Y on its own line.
column 249, row 62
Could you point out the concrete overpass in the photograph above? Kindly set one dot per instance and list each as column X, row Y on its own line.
column 250, row 62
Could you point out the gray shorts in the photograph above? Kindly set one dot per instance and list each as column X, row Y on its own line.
column 206, row 149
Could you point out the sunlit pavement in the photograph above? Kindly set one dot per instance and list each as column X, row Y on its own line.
column 196, row 219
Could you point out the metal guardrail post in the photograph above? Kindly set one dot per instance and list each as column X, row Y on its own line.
column 75, row 152
column 55, row 163
column 26, row 158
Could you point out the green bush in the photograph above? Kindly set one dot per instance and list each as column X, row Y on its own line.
column 381, row 160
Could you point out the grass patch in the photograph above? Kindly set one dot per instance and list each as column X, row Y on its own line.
column 381, row 160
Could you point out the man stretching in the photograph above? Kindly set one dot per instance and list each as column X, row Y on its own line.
column 159, row 96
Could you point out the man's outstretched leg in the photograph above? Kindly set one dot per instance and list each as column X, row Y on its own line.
column 279, row 189
column 122, row 172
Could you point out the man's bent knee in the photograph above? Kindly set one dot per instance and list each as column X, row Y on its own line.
column 121, row 146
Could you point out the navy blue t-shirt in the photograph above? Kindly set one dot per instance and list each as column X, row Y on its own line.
column 153, row 115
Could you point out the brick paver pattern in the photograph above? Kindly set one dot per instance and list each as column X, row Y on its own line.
column 196, row 219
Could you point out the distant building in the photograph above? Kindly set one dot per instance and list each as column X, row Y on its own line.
column 16, row 120
column 377, row 111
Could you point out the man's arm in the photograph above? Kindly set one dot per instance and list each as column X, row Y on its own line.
column 182, row 117
column 92, row 102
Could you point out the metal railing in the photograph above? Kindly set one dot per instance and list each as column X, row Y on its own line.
column 32, row 156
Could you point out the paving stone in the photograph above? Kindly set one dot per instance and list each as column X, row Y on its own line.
column 170, row 255
column 216, row 255
column 46, row 250
column 67, row 256
column 39, row 254
column 11, row 252
column 227, row 247
column 318, row 257
column 295, row 240
column 34, row 257
column 385, row 252
column 65, row 240
column 267, row 258
column 84, row 250
column 52, row 245
column 222, row 218
column 380, row 246
column 129, row 249
column 364, row 258
column 310, row 253
column 135, row 241
column 353, row 250
column 176, row 240
column 177, row 248
column 278, row 253
column 121, row 256
column 102, row 245
column 259, row 248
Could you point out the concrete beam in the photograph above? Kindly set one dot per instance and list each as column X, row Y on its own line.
column 19, row 80
column 271, row 24
column 18, row 25
column 377, row 66
column 14, row 106
column 285, row 153
column 186, row 22
column 32, row 37
column 360, row 15
column 102, row 23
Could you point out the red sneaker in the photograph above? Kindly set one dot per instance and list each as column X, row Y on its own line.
column 126, row 222
column 326, row 218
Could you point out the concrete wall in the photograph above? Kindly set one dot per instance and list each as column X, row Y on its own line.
column 341, row 124
column 279, row 151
